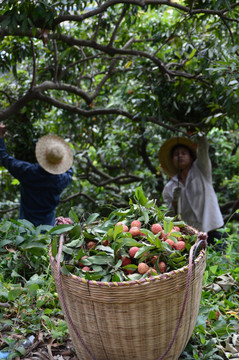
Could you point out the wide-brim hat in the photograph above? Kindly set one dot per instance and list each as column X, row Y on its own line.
column 54, row 154
column 165, row 153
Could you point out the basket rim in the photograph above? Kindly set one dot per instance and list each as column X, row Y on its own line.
column 150, row 279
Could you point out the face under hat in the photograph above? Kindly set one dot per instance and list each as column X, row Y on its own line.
column 54, row 154
column 165, row 153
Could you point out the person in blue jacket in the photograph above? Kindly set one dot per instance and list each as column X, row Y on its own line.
column 42, row 182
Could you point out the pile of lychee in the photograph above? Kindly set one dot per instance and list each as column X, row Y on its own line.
column 147, row 263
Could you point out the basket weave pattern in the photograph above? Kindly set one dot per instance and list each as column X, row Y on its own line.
column 134, row 319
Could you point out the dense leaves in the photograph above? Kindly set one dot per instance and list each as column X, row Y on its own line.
column 117, row 79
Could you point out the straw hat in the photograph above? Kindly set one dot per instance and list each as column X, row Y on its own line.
column 54, row 154
column 165, row 153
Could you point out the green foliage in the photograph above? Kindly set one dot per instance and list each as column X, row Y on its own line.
column 21, row 247
column 117, row 80
column 217, row 322
column 33, row 305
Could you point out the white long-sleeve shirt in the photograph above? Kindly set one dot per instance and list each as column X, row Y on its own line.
column 199, row 204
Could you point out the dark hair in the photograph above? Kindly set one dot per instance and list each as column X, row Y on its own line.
column 184, row 146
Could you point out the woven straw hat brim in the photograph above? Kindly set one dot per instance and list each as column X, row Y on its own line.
column 44, row 143
column 165, row 153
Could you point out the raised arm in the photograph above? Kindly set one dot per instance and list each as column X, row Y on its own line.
column 203, row 160
column 14, row 166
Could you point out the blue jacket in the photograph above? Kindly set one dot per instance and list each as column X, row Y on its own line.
column 40, row 190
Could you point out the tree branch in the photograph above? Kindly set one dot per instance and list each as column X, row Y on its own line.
column 33, row 84
column 117, row 26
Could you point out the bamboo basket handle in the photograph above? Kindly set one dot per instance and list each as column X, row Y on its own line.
column 63, row 299
column 201, row 241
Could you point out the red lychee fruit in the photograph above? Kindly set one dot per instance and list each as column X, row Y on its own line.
column 129, row 271
column 85, row 268
column 143, row 268
column 125, row 227
column 152, row 271
column 142, row 234
column 154, row 259
column 136, row 223
column 171, row 243
column 125, row 260
column 162, row 267
column 161, row 236
column 134, row 231
column 105, row 242
column 176, row 228
column 133, row 250
column 180, row 245
column 91, row 245
column 156, row 228
column 80, row 263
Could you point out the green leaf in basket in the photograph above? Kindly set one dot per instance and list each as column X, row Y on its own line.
column 179, row 259
column 179, row 223
column 67, row 250
column 117, row 230
column 80, row 254
column 145, row 215
column 158, row 244
column 101, row 260
column 173, row 238
column 175, row 234
column 92, row 276
column 117, row 277
column 150, row 235
column 157, row 265
column 166, row 246
column 106, row 278
column 134, row 276
column 122, row 213
column 140, row 196
column 92, row 218
column 117, row 265
column 86, row 262
column 167, row 226
column 106, row 249
column 125, row 242
column 130, row 266
column 143, row 250
column 97, row 268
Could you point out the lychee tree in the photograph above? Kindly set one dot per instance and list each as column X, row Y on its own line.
column 117, row 78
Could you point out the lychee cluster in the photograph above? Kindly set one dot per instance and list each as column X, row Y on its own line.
column 146, row 251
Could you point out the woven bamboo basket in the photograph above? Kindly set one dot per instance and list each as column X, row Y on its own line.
column 148, row 319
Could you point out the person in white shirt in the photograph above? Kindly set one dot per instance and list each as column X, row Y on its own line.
column 190, row 192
